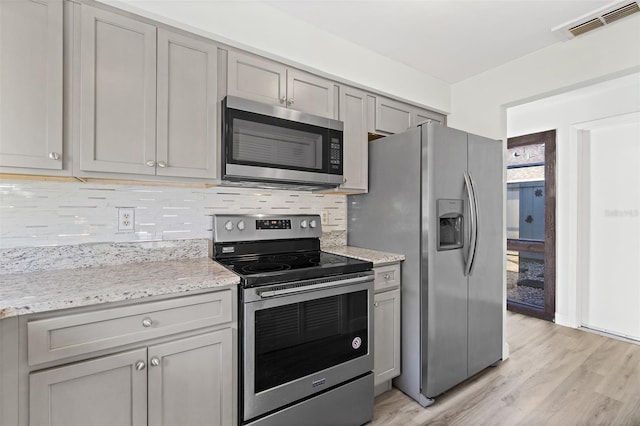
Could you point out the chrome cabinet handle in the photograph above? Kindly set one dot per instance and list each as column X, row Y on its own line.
column 140, row 365
column 283, row 100
column 290, row 101
column 387, row 276
column 151, row 163
column 54, row 155
column 155, row 361
column 162, row 164
column 376, row 304
column 147, row 322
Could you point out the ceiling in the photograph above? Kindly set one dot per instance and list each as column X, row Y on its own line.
column 451, row 40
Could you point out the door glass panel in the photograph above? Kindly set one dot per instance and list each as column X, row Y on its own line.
column 525, row 278
column 298, row 339
column 526, row 226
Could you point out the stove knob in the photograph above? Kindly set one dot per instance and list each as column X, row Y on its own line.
column 313, row 224
column 303, row 224
column 228, row 225
column 241, row 225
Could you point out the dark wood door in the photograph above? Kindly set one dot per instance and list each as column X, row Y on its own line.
column 531, row 208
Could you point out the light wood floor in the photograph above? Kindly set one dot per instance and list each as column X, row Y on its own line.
column 554, row 376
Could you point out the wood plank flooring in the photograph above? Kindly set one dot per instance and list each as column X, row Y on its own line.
column 554, row 376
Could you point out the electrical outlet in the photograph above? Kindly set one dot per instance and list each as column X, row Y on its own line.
column 126, row 218
column 324, row 217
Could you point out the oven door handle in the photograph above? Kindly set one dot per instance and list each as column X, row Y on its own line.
column 309, row 286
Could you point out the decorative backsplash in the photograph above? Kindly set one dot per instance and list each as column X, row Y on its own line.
column 43, row 213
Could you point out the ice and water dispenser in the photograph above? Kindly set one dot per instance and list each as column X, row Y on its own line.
column 451, row 224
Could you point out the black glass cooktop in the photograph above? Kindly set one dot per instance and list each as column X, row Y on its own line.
column 284, row 267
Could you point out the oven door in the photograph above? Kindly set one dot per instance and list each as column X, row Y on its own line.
column 301, row 340
column 274, row 144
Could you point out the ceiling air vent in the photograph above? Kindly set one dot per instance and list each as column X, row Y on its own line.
column 596, row 19
column 586, row 27
column 620, row 13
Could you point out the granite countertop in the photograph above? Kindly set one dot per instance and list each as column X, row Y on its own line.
column 26, row 293
column 379, row 258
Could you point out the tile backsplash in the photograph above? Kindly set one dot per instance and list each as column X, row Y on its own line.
column 45, row 213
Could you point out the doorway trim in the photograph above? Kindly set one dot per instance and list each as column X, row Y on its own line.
column 549, row 246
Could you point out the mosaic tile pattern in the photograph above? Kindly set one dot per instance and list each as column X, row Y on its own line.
column 41, row 213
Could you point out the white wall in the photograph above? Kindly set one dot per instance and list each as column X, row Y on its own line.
column 261, row 28
column 568, row 113
column 479, row 103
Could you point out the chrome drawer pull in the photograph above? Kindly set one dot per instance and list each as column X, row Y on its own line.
column 147, row 322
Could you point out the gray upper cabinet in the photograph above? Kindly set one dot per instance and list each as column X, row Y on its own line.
column 422, row 115
column 31, row 88
column 118, row 90
column 255, row 78
column 112, row 389
column 259, row 79
column 187, row 107
column 148, row 99
column 391, row 116
column 353, row 112
column 387, row 116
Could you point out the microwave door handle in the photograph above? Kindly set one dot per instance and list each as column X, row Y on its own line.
column 473, row 217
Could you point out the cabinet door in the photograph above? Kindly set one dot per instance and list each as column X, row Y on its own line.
column 387, row 335
column 186, row 139
column 392, row 116
column 105, row 391
column 309, row 93
column 31, row 84
column 254, row 78
column 118, row 107
column 191, row 381
column 422, row 115
column 353, row 112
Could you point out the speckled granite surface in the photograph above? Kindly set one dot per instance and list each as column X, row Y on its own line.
column 32, row 259
column 378, row 258
column 25, row 293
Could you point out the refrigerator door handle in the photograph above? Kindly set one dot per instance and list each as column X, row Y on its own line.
column 473, row 219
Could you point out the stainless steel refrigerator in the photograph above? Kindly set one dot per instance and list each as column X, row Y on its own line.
column 436, row 196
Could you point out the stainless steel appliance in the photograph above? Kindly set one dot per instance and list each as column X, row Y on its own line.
column 266, row 145
column 306, row 345
column 437, row 197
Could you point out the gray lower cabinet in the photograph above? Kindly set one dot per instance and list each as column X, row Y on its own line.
column 148, row 99
column 165, row 362
column 387, row 326
column 186, row 381
column 262, row 80
column 31, row 87
column 111, row 390
column 190, row 381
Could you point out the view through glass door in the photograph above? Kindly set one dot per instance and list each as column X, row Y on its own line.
column 531, row 224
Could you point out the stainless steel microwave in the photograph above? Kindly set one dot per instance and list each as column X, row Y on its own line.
column 265, row 145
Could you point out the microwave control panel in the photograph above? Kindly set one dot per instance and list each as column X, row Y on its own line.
column 335, row 154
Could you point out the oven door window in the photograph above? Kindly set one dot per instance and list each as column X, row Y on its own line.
column 299, row 339
column 274, row 142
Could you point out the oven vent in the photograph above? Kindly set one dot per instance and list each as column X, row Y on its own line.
column 599, row 18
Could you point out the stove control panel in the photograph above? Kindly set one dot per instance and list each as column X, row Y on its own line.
column 232, row 228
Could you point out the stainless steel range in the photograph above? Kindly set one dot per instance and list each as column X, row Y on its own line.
column 306, row 345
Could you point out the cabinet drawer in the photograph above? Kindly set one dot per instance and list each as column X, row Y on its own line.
column 386, row 277
column 76, row 334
